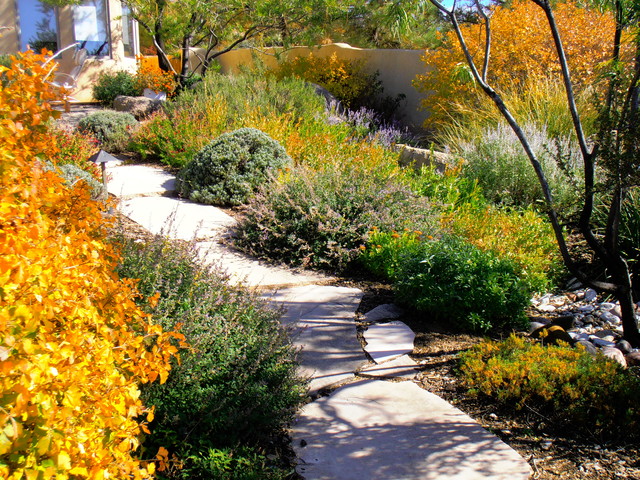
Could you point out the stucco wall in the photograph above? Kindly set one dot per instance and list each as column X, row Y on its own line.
column 8, row 38
column 397, row 68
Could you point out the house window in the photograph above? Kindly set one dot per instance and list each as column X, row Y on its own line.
column 128, row 32
column 90, row 27
column 38, row 26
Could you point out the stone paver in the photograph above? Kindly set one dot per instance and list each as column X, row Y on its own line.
column 401, row 368
column 322, row 319
column 254, row 273
column 386, row 341
column 127, row 181
column 388, row 311
column 177, row 219
column 377, row 430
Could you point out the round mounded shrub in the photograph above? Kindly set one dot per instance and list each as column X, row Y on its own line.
column 231, row 168
column 112, row 129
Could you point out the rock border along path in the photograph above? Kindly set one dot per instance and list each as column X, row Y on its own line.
column 373, row 422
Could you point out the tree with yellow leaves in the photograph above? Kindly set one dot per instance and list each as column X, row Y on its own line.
column 73, row 345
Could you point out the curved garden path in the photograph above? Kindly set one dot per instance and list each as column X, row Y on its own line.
column 365, row 419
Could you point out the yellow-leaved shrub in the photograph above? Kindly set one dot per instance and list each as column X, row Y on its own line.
column 73, row 345
column 522, row 53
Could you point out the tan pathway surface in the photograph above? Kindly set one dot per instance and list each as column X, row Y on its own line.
column 365, row 429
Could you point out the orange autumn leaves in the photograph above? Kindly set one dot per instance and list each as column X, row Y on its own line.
column 522, row 53
column 73, row 345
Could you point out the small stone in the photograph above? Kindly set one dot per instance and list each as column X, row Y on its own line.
column 590, row 295
column 548, row 308
column 577, row 336
column 609, row 318
column 574, row 284
column 586, row 308
column 606, row 333
column 615, row 355
column 546, row 444
column 607, row 305
column 633, row 359
column 624, row 346
column 493, row 416
column 588, row 319
column 533, row 326
column 588, row 347
column 599, row 342
column 617, row 311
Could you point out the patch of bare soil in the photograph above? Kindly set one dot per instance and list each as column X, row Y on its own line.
column 552, row 455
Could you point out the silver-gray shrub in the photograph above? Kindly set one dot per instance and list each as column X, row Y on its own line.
column 499, row 164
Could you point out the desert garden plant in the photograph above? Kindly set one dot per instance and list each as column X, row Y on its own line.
column 455, row 281
column 590, row 395
column 112, row 129
column 232, row 167
column 236, row 384
column 320, row 218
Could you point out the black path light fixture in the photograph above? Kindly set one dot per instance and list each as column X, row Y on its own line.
column 102, row 158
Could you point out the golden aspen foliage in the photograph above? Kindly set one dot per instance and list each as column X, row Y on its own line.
column 522, row 54
column 73, row 345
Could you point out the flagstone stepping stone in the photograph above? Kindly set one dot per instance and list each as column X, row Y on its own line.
column 377, row 430
column 386, row 341
column 177, row 219
column 129, row 181
column 323, row 325
column 402, row 368
column 244, row 270
column 388, row 311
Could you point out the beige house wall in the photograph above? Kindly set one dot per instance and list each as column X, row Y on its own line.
column 397, row 68
column 8, row 37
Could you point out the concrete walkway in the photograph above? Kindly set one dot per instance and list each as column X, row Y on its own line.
column 368, row 420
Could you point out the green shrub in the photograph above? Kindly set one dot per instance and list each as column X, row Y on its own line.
column 112, row 129
column 499, row 164
column 385, row 251
column 109, row 85
column 525, row 237
column 237, row 384
column 230, row 169
column 455, row 281
column 589, row 394
column 321, row 218
column 73, row 174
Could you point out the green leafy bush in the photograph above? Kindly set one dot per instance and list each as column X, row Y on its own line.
column 111, row 129
column 593, row 395
column 321, row 218
column 385, row 251
column 503, row 171
column 232, row 167
column 524, row 237
column 230, row 464
column 237, row 384
column 455, row 281
column 109, row 85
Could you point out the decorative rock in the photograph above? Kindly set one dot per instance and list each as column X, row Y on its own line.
column 565, row 321
column 599, row 342
column 633, row 359
column 547, row 308
column 388, row 311
column 579, row 336
column 624, row 346
column 574, row 284
column 588, row 319
column 533, row 326
column 586, row 308
column 588, row 346
column 615, row 355
column 608, row 335
column 607, row 306
column 610, row 318
column 552, row 334
column 590, row 295
column 139, row 107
